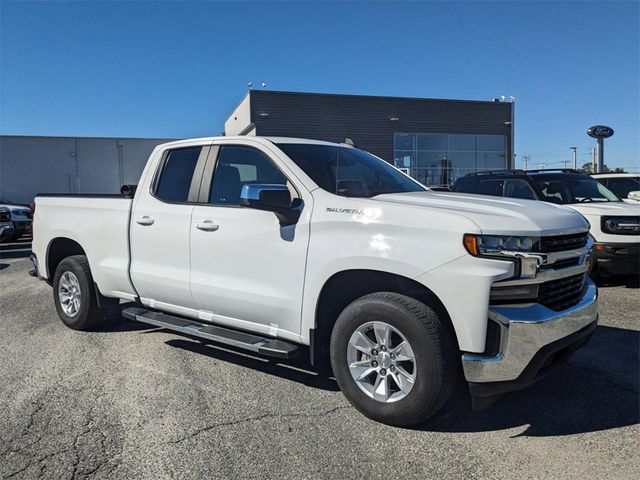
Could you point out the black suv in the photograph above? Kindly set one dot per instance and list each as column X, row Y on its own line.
column 563, row 186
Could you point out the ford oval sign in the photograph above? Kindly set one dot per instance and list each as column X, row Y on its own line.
column 600, row 131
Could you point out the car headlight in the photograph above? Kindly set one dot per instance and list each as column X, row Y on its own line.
column 621, row 225
column 492, row 245
column 504, row 247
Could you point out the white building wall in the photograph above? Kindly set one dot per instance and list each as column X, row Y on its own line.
column 240, row 119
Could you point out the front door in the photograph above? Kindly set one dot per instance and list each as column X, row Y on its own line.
column 246, row 270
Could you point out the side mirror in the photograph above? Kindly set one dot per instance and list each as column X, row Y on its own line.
column 272, row 198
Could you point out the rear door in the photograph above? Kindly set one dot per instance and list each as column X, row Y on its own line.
column 247, row 271
column 161, row 229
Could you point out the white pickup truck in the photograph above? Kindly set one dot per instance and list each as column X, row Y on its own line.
column 281, row 245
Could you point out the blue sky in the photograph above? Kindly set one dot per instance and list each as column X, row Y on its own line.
column 176, row 69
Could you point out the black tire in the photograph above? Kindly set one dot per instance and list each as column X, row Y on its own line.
column 433, row 345
column 89, row 314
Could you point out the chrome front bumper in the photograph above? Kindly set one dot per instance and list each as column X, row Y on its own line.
column 525, row 330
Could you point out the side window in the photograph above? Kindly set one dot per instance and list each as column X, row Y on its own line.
column 464, row 185
column 490, row 187
column 177, row 172
column 518, row 189
column 240, row 166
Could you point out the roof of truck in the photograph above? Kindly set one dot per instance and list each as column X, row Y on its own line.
column 275, row 140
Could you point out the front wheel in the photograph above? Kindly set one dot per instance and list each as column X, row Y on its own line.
column 74, row 294
column 393, row 358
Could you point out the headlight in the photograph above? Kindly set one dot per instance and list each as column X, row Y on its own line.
column 491, row 245
column 621, row 225
column 19, row 212
column 505, row 247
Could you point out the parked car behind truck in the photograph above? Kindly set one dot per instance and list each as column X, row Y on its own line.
column 615, row 225
column 271, row 244
column 6, row 226
column 21, row 218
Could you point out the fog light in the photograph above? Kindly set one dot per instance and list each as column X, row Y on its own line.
column 520, row 292
column 528, row 267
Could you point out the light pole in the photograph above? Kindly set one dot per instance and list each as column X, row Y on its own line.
column 575, row 158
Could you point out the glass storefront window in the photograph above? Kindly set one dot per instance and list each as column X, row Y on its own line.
column 492, row 143
column 465, row 143
column 439, row 159
column 491, row 161
column 432, row 142
column 404, row 159
column 404, row 141
column 430, row 159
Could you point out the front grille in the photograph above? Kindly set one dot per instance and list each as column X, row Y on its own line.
column 563, row 242
column 566, row 263
column 562, row 293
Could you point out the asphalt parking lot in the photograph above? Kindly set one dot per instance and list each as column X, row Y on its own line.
column 133, row 401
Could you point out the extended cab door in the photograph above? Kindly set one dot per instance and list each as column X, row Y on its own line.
column 246, row 270
column 161, row 229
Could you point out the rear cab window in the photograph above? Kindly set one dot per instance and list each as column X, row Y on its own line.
column 176, row 174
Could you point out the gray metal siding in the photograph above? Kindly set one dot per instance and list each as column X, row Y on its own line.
column 365, row 119
column 30, row 165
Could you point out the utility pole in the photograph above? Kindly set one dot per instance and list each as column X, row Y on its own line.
column 575, row 158
column 565, row 163
column 525, row 159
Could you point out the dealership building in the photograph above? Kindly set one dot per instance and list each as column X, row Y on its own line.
column 433, row 140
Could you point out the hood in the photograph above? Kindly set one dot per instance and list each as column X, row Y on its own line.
column 498, row 215
column 606, row 208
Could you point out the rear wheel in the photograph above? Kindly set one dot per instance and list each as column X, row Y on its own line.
column 393, row 358
column 74, row 294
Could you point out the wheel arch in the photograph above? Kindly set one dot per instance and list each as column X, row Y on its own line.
column 58, row 249
column 345, row 286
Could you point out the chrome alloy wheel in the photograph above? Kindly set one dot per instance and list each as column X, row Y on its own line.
column 381, row 362
column 69, row 294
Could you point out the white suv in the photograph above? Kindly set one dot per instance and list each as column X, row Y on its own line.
column 624, row 185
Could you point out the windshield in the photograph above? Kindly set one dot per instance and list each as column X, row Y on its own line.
column 623, row 185
column 574, row 189
column 348, row 172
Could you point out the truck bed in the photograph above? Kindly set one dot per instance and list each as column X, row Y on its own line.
column 104, row 235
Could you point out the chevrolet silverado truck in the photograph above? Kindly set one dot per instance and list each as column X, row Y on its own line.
column 280, row 246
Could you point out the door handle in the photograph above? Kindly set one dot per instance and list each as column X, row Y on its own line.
column 207, row 226
column 145, row 220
